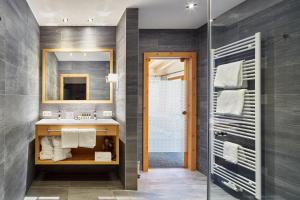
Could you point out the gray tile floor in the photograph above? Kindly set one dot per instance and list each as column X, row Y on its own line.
column 157, row 184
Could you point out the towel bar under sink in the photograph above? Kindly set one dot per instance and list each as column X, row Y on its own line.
column 98, row 130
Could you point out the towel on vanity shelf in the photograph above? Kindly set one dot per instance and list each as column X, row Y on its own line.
column 69, row 138
column 230, row 152
column 231, row 102
column 229, row 75
column 87, row 138
column 47, row 149
column 60, row 153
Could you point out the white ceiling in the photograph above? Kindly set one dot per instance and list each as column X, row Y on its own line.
column 167, row 14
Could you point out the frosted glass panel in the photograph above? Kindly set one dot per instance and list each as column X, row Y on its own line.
column 166, row 122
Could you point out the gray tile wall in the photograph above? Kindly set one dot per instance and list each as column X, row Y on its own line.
column 19, row 96
column 280, row 28
column 77, row 37
column 202, row 102
column 127, row 93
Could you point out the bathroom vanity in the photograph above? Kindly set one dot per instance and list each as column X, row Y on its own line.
column 105, row 128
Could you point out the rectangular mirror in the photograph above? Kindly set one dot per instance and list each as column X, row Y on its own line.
column 77, row 76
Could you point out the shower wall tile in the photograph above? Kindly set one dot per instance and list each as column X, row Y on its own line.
column 2, row 182
column 19, row 99
column 279, row 26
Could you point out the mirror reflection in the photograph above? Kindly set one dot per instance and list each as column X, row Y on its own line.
column 77, row 76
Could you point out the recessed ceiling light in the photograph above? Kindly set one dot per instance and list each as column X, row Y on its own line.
column 190, row 6
column 90, row 20
column 65, row 20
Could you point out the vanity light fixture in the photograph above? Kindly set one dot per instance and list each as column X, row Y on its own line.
column 190, row 6
column 65, row 20
column 112, row 78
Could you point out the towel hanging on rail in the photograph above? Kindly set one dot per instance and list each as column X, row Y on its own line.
column 87, row 137
column 229, row 75
column 230, row 152
column 69, row 138
column 231, row 102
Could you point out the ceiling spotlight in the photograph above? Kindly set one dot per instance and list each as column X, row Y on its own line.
column 90, row 20
column 65, row 20
column 190, row 6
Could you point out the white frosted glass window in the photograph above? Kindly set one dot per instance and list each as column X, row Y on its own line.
column 166, row 122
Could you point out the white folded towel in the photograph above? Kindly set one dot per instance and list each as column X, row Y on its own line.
column 47, row 149
column 87, row 138
column 46, row 144
column 229, row 75
column 230, row 152
column 69, row 138
column 231, row 102
column 46, row 155
column 60, row 153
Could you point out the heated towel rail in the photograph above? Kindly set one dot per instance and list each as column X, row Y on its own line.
column 246, row 126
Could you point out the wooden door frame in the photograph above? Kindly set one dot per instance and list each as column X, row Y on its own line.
column 190, row 59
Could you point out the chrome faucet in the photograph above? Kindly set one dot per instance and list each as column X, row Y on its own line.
column 95, row 115
column 59, row 114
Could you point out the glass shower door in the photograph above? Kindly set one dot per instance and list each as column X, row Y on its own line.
column 250, row 152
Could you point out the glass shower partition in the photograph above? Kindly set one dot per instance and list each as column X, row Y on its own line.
column 262, row 36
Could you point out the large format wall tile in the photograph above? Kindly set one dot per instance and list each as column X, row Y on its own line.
column 19, row 99
column 127, row 93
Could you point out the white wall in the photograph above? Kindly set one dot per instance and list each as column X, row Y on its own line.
column 166, row 122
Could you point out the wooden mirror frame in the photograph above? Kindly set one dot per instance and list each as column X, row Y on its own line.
column 45, row 101
column 62, row 84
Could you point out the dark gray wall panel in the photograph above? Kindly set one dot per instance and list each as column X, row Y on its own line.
column 202, row 96
column 126, row 95
column 78, row 37
column 19, row 99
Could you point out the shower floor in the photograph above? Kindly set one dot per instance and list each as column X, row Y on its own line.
column 157, row 184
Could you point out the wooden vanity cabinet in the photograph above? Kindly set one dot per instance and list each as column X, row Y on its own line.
column 80, row 156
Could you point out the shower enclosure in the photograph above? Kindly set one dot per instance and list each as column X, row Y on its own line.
column 264, row 37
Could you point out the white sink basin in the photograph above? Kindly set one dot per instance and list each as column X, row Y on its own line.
column 77, row 122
